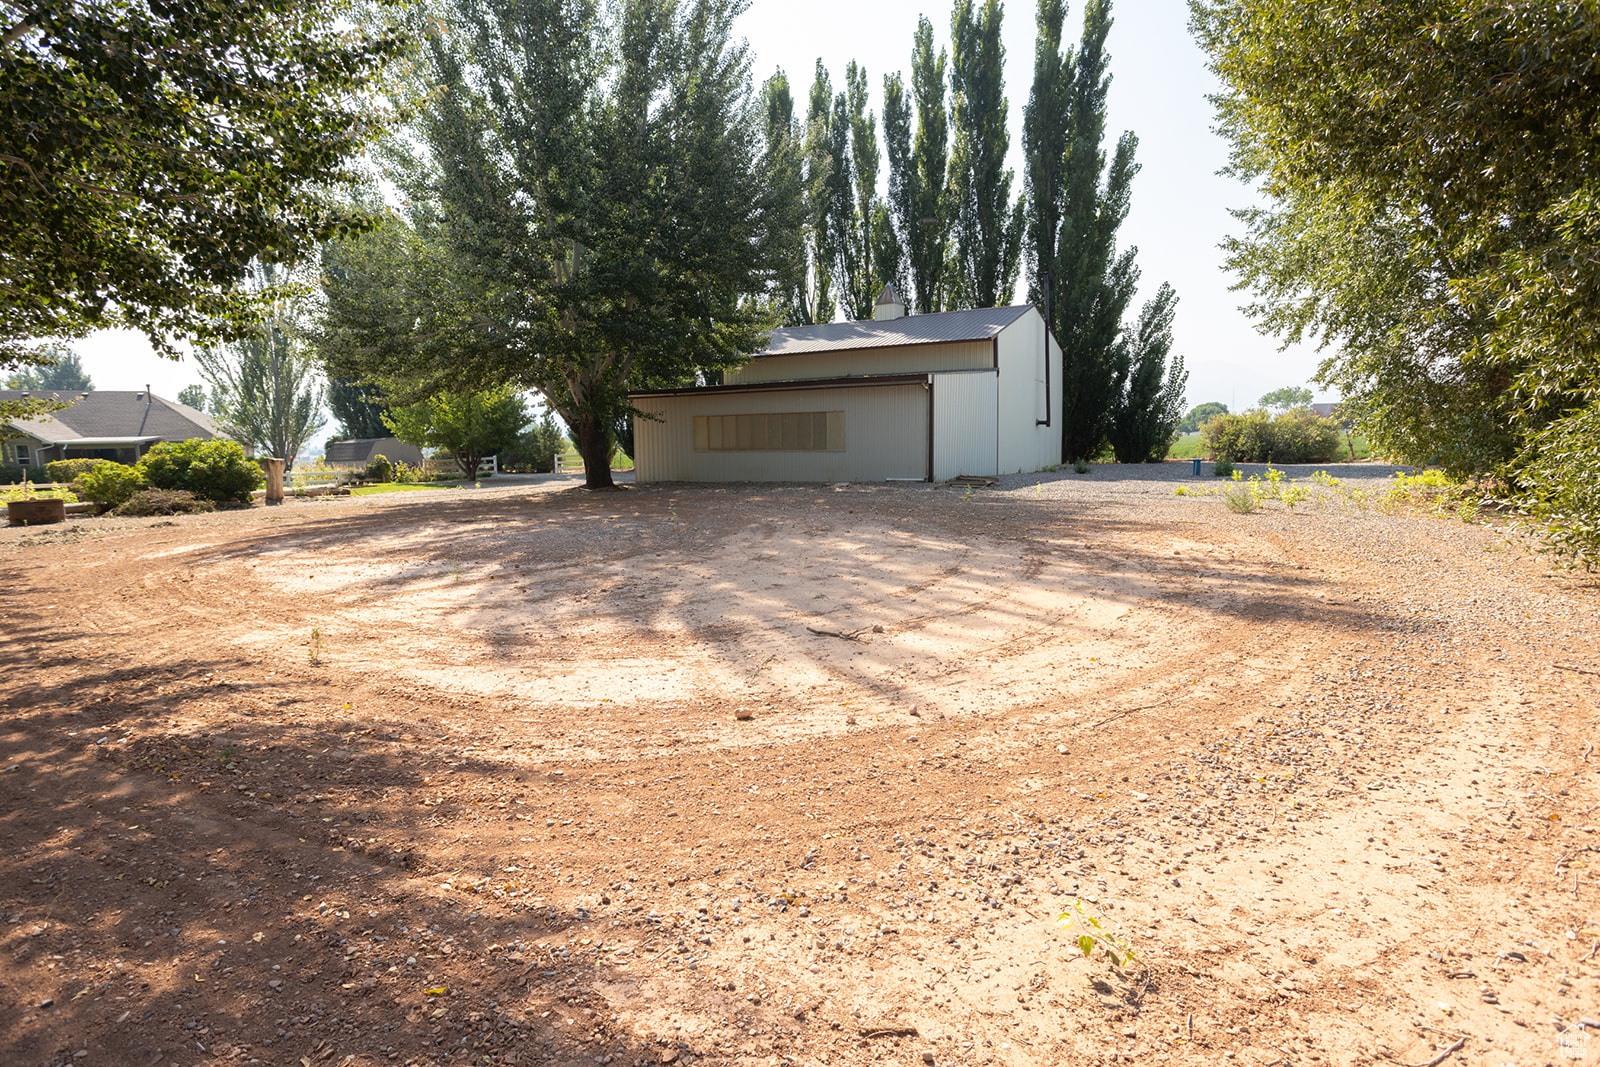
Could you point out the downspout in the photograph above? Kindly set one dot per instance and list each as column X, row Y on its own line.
column 1046, row 420
column 930, row 427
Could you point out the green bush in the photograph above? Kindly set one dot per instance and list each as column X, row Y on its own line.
column 215, row 470
column 1256, row 437
column 12, row 474
column 109, row 484
column 66, row 471
column 148, row 502
column 378, row 469
column 1222, row 468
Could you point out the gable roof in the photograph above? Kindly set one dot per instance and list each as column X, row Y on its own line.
column 108, row 415
column 977, row 324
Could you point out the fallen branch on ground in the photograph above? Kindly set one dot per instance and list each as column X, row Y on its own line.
column 848, row 635
column 1571, row 667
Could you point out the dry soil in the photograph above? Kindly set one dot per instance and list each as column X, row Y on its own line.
column 803, row 774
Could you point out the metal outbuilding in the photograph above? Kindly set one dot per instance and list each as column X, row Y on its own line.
column 900, row 398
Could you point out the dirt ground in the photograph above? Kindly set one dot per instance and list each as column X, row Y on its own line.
column 794, row 775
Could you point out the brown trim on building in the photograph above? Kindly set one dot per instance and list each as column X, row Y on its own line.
column 996, row 356
column 859, row 381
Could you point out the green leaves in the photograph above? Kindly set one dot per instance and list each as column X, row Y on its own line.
column 1434, row 221
column 149, row 151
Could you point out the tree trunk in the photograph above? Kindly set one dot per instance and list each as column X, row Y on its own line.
column 594, row 445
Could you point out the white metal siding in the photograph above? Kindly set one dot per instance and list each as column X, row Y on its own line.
column 965, row 433
column 885, row 436
column 905, row 359
column 1024, row 445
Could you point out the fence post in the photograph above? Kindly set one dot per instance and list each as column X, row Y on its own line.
column 274, row 480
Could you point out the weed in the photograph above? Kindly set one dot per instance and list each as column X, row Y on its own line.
column 1241, row 498
column 1093, row 934
column 315, row 655
column 1182, row 490
column 1081, row 466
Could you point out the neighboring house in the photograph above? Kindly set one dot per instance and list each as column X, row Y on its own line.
column 357, row 450
column 102, row 424
column 896, row 398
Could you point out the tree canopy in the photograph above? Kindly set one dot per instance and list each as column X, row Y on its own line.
column 1286, row 399
column 149, row 151
column 63, row 371
column 265, row 386
column 593, row 210
column 1434, row 219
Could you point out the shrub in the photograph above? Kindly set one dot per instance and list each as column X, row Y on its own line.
column 216, row 470
column 378, row 469
column 12, row 474
column 109, row 484
column 66, row 471
column 1256, row 437
column 148, row 502
column 1221, row 468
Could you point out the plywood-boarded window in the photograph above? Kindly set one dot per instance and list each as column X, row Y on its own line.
column 789, row 431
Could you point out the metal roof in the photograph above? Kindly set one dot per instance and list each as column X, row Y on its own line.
column 978, row 324
column 110, row 415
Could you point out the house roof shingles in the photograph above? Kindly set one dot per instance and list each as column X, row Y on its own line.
column 977, row 324
column 111, row 415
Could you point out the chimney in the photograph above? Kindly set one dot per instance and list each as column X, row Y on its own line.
column 889, row 305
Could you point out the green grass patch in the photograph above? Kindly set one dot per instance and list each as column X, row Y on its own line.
column 619, row 462
column 399, row 487
column 1187, row 446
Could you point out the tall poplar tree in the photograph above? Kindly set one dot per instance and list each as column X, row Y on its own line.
column 860, row 279
column 988, row 224
column 927, row 235
column 1076, row 208
column 900, row 209
column 827, row 184
column 787, row 151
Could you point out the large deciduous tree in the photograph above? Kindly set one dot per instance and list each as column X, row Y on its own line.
column 593, row 205
column 471, row 426
column 149, row 151
column 1434, row 218
column 987, row 223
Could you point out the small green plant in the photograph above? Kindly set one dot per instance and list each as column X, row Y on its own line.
column 1182, row 490
column 314, row 656
column 1222, row 468
column 1092, row 934
column 1081, row 466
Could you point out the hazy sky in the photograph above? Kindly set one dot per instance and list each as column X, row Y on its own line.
column 1159, row 87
